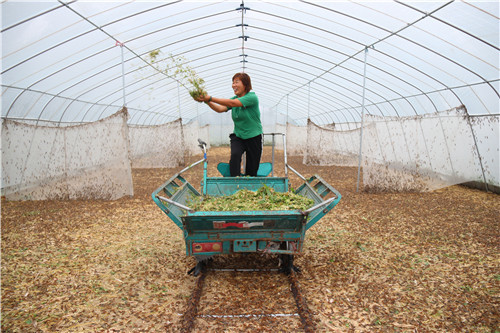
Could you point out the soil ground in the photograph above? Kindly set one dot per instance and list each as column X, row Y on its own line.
column 378, row 262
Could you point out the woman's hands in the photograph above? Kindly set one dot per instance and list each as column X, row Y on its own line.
column 204, row 98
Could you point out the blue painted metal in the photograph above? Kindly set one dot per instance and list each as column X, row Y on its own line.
column 263, row 171
column 281, row 232
column 245, row 245
column 220, row 186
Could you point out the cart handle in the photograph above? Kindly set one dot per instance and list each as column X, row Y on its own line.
column 175, row 203
column 296, row 172
column 203, row 146
column 324, row 203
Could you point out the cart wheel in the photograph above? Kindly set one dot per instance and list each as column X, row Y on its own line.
column 286, row 262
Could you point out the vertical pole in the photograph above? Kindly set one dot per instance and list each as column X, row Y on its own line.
column 183, row 142
column 477, row 148
column 179, row 99
column 272, row 158
column 308, row 99
column 243, row 37
column 285, row 159
column 276, row 121
column 362, row 120
column 123, row 77
column 243, row 34
column 286, row 120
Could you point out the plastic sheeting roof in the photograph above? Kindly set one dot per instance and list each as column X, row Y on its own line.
column 62, row 61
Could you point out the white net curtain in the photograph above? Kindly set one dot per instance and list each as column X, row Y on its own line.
column 327, row 146
column 89, row 161
column 157, row 146
column 420, row 153
column 428, row 152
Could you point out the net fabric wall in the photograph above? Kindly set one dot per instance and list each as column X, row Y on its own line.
column 193, row 132
column 295, row 139
column 278, row 139
column 420, row 153
column 158, row 146
column 487, row 132
column 326, row 146
column 89, row 161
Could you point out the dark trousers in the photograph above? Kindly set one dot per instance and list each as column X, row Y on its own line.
column 253, row 148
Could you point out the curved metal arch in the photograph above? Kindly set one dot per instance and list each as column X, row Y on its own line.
column 161, row 79
column 339, row 64
column 148, row 109
column 100, row 72
column 180, row 24
column 357, row 84
column 449, row 24
column 119, row 89
column 396, row 33
column 35, row 16
column 351, row 107
column 308, row 25
column 136, row 56
column 77, row 83
column 157, row 113
column 353, row 56
column 184, row 87
column 137, row 111
column 352, row 83
column 318, row 44
column 80, row 35
column 127, row 86
column 47, row 49
column 449, row 89
column 222, row 66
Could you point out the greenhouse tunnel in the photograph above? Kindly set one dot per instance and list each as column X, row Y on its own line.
column 408, row 92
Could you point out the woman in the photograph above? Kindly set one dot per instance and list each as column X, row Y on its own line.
column 247, row 136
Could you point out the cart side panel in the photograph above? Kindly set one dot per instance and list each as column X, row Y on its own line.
column 307, row 191
column 183, row 195
column 223, row 186
column 314, row 193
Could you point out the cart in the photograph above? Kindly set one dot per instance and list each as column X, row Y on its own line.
column 211, row 233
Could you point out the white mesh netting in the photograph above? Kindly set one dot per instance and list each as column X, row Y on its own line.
column 278, row 139
column 157, row 146
column 326, row 146
column 72, row 162
column 296, row 143
column 420, row 153
column 428, row 152
column 193, row 132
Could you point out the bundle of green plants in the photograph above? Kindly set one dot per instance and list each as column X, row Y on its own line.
column 177, row 68
column 265, row 198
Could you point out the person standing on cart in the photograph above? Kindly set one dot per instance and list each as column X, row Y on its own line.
column 247, row 136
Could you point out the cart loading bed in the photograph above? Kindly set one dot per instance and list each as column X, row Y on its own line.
column 209, row 233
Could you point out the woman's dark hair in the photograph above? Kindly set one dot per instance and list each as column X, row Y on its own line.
column 245, row 79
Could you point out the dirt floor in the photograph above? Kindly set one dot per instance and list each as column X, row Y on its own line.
column 387, row 262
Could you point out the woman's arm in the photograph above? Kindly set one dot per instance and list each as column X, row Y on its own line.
column 217, row 107
column 220, row 104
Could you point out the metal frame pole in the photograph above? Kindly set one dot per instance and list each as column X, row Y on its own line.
column 309, row 100
column 362, row 120
column 123, row 76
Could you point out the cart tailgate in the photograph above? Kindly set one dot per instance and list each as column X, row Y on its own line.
column 244, row 221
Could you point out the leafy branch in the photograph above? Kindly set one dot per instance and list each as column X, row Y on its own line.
column 177, row 68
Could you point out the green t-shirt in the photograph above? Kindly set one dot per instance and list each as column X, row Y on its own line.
column 247, row 117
